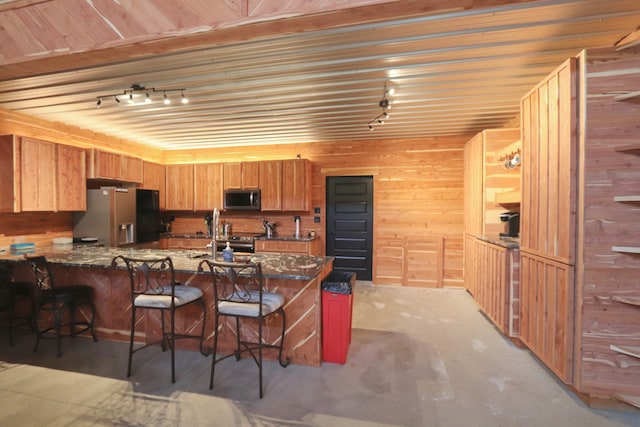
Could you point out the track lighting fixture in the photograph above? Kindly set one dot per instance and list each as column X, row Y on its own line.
column 385, row 105
column 135, row 89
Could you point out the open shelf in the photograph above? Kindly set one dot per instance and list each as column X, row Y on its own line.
column 627, row 300
column 628, row 398
column 635, row 198
column 629, row 350
column 626, row 249
column 508, row 198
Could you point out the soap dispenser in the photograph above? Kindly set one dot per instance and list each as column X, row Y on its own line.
column 227, row 253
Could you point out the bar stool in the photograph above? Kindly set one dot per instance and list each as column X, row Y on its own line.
column 154, row 287
column 239, row 293
column 58, row 300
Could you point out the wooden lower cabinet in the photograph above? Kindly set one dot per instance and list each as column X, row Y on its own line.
column 298, row 247
column 548, row 310
column 185, row 243
column 495, row 270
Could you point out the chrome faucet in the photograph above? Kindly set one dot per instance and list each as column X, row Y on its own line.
column 269, row 227
column 214, row 241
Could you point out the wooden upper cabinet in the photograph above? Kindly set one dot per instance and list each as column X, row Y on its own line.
column 153, row 178
column 241, row 175
column 71, row 178
column 38, row 175
column 296, row 185
column 208, row 186
column 132, row 169
column 179, row 184
column 271, row 185
column 113, row 166
column 549, row 168
column 104, row 165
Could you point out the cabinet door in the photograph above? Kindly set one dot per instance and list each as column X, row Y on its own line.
column 132, row 169
column 153, row 178
column 9, row 174
column 71, row 179
column 232, row 175
column 251, row 174
column 179, row 184
column 271, row 185
column 547, row 314
column 208, row 186
column 296, row 185
column 549, row 166
column 104, row 165
column 282, row 246
column 38, row 175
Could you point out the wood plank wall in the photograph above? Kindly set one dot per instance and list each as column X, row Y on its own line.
column 418, row 189
column 608, row 173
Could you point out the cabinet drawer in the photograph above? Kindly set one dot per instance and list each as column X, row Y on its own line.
column 282, row 246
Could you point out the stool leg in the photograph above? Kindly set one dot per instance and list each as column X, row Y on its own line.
column 287, row 360
column 133, row 330
column 216, row 332
column 172, row 344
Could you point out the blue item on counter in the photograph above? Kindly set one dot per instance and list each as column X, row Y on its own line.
column 227, row 254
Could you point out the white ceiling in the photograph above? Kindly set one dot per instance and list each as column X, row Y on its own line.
column 455, row 72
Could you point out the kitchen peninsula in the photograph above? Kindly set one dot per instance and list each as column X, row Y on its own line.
column 297, row 278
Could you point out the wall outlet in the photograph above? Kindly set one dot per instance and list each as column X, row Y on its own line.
column 316, row 219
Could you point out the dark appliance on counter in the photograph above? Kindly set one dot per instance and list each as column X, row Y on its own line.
column 239, row 242
column 246, row 200
column 110, row 218
column 148, row 220
column 512, row 219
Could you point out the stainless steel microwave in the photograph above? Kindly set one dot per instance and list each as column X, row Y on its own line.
column 248, row 200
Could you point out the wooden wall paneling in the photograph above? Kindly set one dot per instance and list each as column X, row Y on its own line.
column 470, row 278
column 388, row 266
column 423, row 263
column 609, row 276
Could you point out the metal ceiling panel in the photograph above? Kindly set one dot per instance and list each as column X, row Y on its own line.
column 458, row 72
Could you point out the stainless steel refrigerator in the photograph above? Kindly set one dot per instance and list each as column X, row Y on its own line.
column 110, row 217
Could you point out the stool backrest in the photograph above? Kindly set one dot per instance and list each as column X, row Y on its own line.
column 42, row 272
column 236, row 282
column 148, row 276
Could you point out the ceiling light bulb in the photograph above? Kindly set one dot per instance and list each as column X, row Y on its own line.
column 167, row 101
column 392, row 91
column 116, row 98
column 184, row 99
column 147, row 99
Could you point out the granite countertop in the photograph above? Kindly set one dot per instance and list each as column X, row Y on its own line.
column 506, row 242
column 297, row 267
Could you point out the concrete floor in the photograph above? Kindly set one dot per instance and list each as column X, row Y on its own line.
column 419, row 357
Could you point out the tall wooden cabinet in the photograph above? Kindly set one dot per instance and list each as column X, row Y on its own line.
column 548, row 217
column 271, row 185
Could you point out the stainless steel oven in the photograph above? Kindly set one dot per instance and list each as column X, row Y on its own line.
column 239, row 242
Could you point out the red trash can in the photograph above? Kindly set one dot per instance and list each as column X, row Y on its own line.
column 337, row 313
